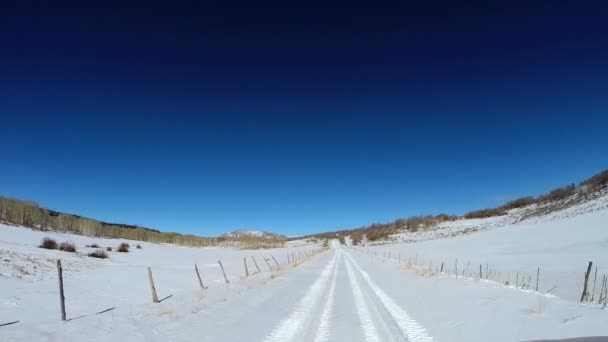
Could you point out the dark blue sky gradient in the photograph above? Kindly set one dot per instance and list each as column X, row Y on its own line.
column 204, row 119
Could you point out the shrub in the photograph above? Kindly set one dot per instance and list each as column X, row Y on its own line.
column 376, row 233
column 67, row 247
column 109, row 249
column 558, row 194
column 445, row 217
column 520, row 202
column 597, row 181
column 94, row 245
column 48, row 243
column 123, row 247
column 483, row 213
column 138, row 246
column 100, row 254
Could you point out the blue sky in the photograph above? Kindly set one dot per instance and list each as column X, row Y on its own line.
column 296, row 120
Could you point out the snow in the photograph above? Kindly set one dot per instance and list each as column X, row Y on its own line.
column 560, row 244
column 464, row 310
column 28, row 280
column 294, row 323
column 343, row 294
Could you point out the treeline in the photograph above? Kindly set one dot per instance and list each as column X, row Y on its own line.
column 382, row 231
column 587, row 186
column 30, row 214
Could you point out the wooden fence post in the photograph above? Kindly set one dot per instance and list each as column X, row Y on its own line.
column 537, row 275
column 200, row 280
column 605, row 290
column 480, row 275
column 594, row 280
column 584, row 294
column 223, row 272
column 245, row 265
column 275, row 261
column 441, row 270
column 256, row 264
column 602, row 289
column 267, row 263
column 61, row 294
column 152, row 287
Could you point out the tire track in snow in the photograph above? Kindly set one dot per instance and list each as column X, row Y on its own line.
column 325, row 324
column 292, row 325
column 413, row 331
column 369, row 329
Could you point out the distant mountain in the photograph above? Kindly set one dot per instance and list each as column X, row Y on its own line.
column 244, row 233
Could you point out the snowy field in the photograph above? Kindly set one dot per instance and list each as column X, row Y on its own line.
column 343, row 294
column 340, row 295
column 561, row 244
column 29, row 290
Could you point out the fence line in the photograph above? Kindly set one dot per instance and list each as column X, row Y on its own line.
column 302, row 256
column 523, row 280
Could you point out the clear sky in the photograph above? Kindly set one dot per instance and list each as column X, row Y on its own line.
column 204, row 119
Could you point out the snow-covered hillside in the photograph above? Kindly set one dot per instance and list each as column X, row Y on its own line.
column 528, row 215
column 560, row 243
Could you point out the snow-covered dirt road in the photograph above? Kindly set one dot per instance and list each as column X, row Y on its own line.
column 342, row 294
column 330, row 299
